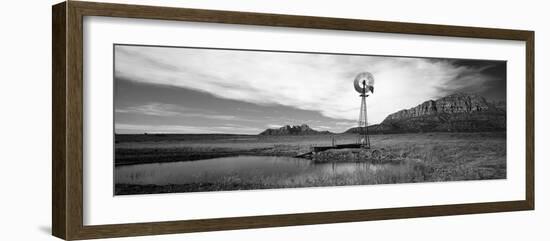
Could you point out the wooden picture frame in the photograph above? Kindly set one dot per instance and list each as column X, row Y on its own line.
column 67, row 124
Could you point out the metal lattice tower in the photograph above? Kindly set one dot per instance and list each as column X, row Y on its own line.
column 364, row 84
column 363, row 137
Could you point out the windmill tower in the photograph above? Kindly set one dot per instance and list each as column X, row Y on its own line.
column 364, row 84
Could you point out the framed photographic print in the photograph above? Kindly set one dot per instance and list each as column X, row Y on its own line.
column 171, row 120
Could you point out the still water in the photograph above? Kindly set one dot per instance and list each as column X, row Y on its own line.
column 243, row 168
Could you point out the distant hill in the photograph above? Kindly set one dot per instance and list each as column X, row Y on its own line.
column 459, row 112
column 293, row 130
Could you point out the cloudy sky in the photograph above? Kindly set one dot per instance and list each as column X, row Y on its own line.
column 193, row 90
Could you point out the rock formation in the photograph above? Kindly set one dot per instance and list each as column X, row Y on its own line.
column 454, row 113
column 293, row 130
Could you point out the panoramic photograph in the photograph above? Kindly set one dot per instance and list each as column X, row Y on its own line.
column 190, row 119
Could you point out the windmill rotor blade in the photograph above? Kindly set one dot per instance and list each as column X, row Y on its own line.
column 370, row 80
column 357, row 86
column 366, row 80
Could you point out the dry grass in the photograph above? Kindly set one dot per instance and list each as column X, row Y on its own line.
column 426, row 157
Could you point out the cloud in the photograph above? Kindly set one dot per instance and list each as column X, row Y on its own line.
column 123, row 128
column 171, row 110
column 152, row 109
column 322, row 127
column 322, row 83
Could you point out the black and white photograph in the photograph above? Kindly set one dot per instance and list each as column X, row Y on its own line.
column 191, row 119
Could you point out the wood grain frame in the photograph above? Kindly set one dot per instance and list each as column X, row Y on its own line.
column 67, row 123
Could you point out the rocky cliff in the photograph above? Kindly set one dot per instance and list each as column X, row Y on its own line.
column 293, row 130
column 454, row 113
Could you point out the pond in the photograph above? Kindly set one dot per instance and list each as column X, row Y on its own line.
column 240, row 169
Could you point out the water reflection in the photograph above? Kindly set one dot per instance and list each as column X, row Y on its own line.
column 239, row 168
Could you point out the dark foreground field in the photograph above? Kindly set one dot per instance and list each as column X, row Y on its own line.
column 423, row 157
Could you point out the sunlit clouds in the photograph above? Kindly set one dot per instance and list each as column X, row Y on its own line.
column 321, row 83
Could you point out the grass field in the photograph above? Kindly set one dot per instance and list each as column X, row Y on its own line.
column 420, row 157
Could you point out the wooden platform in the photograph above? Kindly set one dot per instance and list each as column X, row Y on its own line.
column 316, row 149
column 324, row 148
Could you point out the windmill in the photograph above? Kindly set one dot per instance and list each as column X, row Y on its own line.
column 364, row 84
